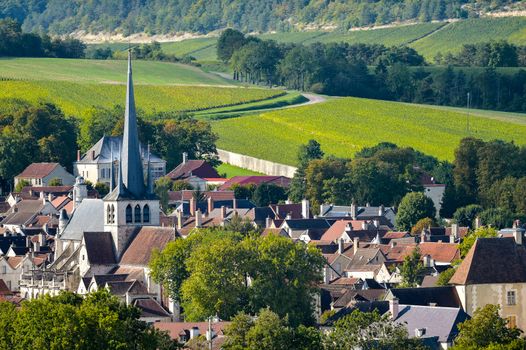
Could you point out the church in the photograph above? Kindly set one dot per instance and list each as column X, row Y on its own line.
column 107, row 243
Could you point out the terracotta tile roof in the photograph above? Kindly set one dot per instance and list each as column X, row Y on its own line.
column 60, row 201
column 146, row 240
column 345, row 281
column 492, row 260
column 271, row 231
column 339, row 227
column 440, row 252
column 395, row 235
column 132, row 273
column 198, row 168
column 99, row 247
column 256, row 180
column 462, row 231
column 55, row 190
column 174, row 329
column 38, row 170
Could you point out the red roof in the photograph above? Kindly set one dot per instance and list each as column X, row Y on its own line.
column 174, row 329
column 256, row 180
column 198, row 168
column 442, row 252
column 38, row 170
column 338, row 228
column 395, row 235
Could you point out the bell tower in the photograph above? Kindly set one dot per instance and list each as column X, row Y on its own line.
column 130, row 204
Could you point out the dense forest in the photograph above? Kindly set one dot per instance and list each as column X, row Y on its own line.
column 202, row 16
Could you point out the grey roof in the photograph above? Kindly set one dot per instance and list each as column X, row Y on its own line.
column 305, row 224
column 131, row 163
column 362, row 213
column 89, row 216
column 438, row 321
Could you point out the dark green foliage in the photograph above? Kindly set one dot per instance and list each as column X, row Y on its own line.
column 166, row 17
column 414, row 207
column 412, row 270
column 465, row 216
column 99, row 321
column 489, row 54
column 266, row 194
column 310, row 151
column 15, row 43
column 487, row 330
column 229, row 41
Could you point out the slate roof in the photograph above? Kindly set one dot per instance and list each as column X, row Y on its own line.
column 441, row 296
column 198, row 168
column 38, row 170
column 359, row 295
column 305, row 224
column 150, row 308
column 492, row 260
column 147, row 239
column 437, row 321
column 89, row 216
column 99, row 247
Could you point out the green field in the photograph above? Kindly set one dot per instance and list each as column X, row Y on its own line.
column 344, row 126
column 74, row 98
column 231, row 171
column 106, row 71
column 451, row 37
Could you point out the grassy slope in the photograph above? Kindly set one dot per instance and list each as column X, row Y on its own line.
column 344, row 126
column 145, row 72
column 231, row 171
column 453, row 36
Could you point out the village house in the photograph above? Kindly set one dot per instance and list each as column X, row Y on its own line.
column 100, row 163
column 40, row 174
column 385, row 216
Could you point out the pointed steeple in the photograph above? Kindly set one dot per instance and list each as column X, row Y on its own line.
column 132, row 172
column 112, row 164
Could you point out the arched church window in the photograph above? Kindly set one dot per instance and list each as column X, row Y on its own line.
column 112, row 214
column 129, row 214
column 137, row 213
column 146, row 213
column 108, row 214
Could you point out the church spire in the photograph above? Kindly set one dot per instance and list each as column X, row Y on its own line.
column 132, row 172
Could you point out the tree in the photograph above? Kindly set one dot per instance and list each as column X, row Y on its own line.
column 161, row 188
column 421, row 225
column 55, row 182
column 97, row 122
column 412, row 269
column 180, row 185
column 228, row 42
column 307, row 152
column 319, row 171
column 7, row 319
column 102, row 188
column 413, row 207
column 445, row 276
column 486, row 329
column 369, row 330
column 243, row 191
column 268, row 193
column 497, row 217
column 470, row 238
column 21, row 184
column 465, row 170
column 465, row 216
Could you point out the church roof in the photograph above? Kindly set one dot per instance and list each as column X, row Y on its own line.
column 89, row 216
column 148, row 239
column 99, row 247
column 101, row 152
column 131, row 163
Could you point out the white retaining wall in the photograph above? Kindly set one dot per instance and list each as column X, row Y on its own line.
column 256, row 164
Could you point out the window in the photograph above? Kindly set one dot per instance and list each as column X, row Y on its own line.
column 146, row 213
column 112, row 215
column 511, row 300
column 512, row 321
column 137, row 213
column 108, row 214
column 129, row 214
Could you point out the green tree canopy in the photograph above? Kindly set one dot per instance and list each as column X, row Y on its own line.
column 414, row 207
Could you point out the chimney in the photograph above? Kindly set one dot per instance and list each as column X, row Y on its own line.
column 454, row 230
column 356, row 244
column 92, row 155
column 193, row 206
column 305, row 209
column 478, row 223
column 423, row 236
column 393, row 308
column 223, row 213
column 42, row 239
column 198, row 218
column 365, row 226
column 517, row 234
column 185, row 157
column 179, row 216
column 381, row 210
column 268, row 222
column 288, row 217
column 427, row 260
column 49, row 197
column 327, row 275
column 210, row 205
column 78, row 155
column 324, row 208
column 36, row 246
column 376, row 223
column 234, row 203
column 194, row 332
column 340, row 246
column 353, row 210
column 420, row 332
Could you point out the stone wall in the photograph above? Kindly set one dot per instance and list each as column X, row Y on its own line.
column 255, row 164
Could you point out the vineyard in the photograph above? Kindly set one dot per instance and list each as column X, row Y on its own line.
column 454, row 35
column 108, row 71
column 344, row 126
column 74, row 98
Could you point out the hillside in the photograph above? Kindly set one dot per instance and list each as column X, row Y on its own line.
column 344, row 126
column 196, row 16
